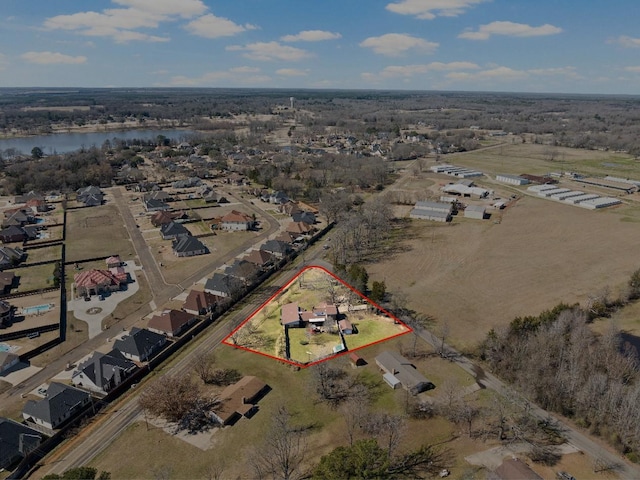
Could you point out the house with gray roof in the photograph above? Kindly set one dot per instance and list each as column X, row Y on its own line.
column 102, row 372
column 173, row 230
column 16, row 442
column 223, row 285
column 10, row 257
column 140, row 345
column 277, row 248
column 188, row 246
column 243, row 270
column 61, row 404
column 399, row 369
column 153, row 205
column 90, row 196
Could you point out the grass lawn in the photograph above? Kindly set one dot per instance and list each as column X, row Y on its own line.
column 97, row 231
column 45, row 254
column 319, row 345
column 371, row 328
column 34, row 278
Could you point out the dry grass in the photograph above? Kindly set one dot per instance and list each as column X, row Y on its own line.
column 479, row 275
column 96, row 231
column 45, row 254
column 34, row 278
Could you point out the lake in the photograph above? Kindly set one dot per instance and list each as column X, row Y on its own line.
column 69, row 142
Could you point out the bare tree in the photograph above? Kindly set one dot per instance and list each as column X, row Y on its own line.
column 284, row 450
column 203, row 365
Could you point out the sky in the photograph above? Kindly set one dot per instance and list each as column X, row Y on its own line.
column 549, row 46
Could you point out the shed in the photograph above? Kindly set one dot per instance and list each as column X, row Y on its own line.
column 391, row 380
column 474, row 211
column 357, row 360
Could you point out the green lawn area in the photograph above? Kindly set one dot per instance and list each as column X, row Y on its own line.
column 371, row 328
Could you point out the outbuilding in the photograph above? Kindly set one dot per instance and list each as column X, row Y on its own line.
column 475, row 211
column 511, row 179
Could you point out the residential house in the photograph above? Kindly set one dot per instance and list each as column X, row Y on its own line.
column 399, row 369
column 290, row 315
column 200, row 303
column 326, row 310
column 38, row 205
column 10, row 257
column 260, row 258
column 153, row 205
column 16, row 442
column 223, row 285
column 243, row 270
column 97, row 282
column 276, row 248
column 288, row 238
column 7, row 361
column 14, row 234
column 240, row 399
column 171, row 322
column 17, row 217
column 306, row 217
column 160, row 195
column 236, row 220
column 61, row 404
column 8, row 280
column 188, row 246
column 102, row 372
column 188, row 183
column 6, row 314
column 163, row 217
column 24, row 198
column 90, row 196
column 299, row 228
column 173, row 230
column 290, row 208
column 345, row 326
column 278, row 198
column 140, row 344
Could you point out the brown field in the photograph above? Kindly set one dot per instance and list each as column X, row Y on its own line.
column 96, row 231
column 476, row 275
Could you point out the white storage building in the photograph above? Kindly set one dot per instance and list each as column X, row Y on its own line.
column 552, row 192
column 436, row 206
column 475, row 211
column 581, row 198
column 434, row 215
column 511, row 179
column 540, row 188
column 601, row 202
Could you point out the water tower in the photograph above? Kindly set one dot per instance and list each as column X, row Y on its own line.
column 291, row 99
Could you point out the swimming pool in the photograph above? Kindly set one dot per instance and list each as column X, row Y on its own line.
column 37, row 309
column 4, row 347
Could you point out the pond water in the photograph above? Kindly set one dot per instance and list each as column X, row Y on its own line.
column 70, row 142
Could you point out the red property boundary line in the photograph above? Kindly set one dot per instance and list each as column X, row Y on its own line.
column 305, row 365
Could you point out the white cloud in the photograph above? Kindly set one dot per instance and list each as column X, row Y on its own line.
column 210, row 26
column 269, row 51
column 52, row 58
column 292, row 72
column 311, row 36
column 182, row 8
column 510, row 29
column 430, row 9
column 568, row 72
column 496, row 74
column 123, row 24
column 394, row 44
column 634, row 69
column 626, row 41
column 232, row 76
